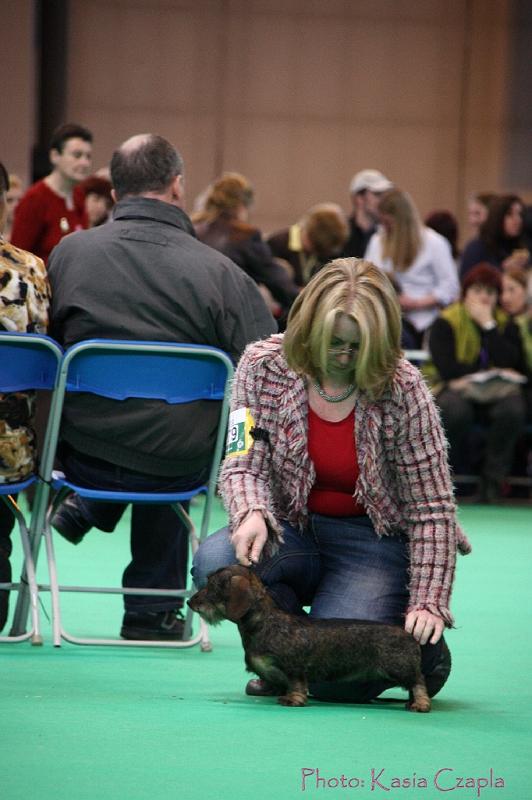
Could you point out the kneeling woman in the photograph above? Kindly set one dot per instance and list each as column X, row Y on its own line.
column 341, row 497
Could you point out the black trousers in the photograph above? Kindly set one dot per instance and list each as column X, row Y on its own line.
column 7, row 523
column 159, row 541
column 504, row 421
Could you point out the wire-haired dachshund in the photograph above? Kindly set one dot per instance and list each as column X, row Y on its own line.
column 291, row 651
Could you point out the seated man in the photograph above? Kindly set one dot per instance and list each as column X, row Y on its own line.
column 24, row 301
column 145, row 276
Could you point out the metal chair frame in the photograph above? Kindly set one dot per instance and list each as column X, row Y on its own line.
column 28, row 362
column 118, row 370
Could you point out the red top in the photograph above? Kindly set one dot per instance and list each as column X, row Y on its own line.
column 332, row 449
column 42, row 219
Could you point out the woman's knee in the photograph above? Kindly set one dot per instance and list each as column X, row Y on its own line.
column 215, row 552
column 296, row 565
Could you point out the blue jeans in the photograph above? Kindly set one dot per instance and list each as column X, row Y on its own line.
column 159, row 541
column 340, row 568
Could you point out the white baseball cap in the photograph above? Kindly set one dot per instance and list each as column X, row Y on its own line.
column 370, row 179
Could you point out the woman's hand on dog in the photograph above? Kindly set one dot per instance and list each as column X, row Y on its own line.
column 424, row 626
column 250, row 538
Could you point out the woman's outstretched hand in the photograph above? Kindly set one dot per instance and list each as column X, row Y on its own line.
column 250, row 538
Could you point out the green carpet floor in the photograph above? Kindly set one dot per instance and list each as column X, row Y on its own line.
column 90, row 723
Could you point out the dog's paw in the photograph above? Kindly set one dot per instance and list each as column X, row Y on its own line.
column 421, row 706
column 292, row 700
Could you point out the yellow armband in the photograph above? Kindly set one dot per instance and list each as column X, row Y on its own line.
column 239, row 439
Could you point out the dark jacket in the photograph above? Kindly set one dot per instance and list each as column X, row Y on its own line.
column 145, row 276
column 356, row 245
column 477, row 251
column 305, row 265
column 499, row 348
column 245, row 246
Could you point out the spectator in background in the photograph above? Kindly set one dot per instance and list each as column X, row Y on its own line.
column 419, row 262
column 516, row 300
column 366, row 189
column 500, row 241
column 24, row 302
column 514, row 293
column 54, row 206
column 445, row 223
column 223, row 224
column 527, row 227
column 477, row 210
column 470, row 339
column 13, row 195
column 98, row 199
column 313, row 241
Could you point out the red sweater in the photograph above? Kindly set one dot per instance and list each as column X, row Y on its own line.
column 332, row 449
column 42, row 219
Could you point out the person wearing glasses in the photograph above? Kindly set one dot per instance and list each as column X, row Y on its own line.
column 336, row 479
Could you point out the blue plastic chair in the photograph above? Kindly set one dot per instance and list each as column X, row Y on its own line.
column 176, row 373
column 27, row 362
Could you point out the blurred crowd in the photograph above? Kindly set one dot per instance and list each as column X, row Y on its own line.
column 467, row 311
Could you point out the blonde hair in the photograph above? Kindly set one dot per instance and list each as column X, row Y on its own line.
column 361, row 291
column 225, row 195
column 403, row 242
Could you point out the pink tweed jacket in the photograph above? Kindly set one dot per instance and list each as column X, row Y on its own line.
column 404, row 481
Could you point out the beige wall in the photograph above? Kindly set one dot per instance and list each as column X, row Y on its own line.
column 297, row 94
column 17, row 90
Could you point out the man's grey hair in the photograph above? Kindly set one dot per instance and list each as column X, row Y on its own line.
column 144, row 163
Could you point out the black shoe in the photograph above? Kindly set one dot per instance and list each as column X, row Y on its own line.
column 5, row 577
column 256, row 687
column 153, row 625
column 69, row 520
column 436, row 679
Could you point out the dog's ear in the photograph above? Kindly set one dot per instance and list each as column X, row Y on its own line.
column 240, row 598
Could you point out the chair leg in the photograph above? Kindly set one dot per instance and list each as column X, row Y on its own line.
column 58, row 632
column 27, row 585
column 22, row 609
column 205, row 642
column 36, row 638
column 52, row 571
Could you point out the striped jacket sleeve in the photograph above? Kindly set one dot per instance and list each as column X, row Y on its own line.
column 245, row 479
column 429, row 509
